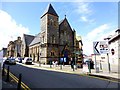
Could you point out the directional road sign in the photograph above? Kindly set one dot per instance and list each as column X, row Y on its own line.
column 100, row 47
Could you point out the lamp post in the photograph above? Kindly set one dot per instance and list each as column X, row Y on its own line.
column 74, row 59
column 61, row 60
column 40, row 54
column 109, row 69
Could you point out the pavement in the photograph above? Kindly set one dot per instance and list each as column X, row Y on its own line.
column 11, row 84
column 114, row 77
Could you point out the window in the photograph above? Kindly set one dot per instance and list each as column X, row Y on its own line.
column 53, row 39
column 51, row 22
column 52, row 53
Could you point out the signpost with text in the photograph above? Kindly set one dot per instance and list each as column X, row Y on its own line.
column 101, row 47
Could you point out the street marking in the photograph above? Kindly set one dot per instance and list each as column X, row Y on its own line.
column 25, row 87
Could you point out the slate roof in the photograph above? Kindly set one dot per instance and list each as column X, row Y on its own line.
column 36, row 40
column 50, row 10
column 28, row 39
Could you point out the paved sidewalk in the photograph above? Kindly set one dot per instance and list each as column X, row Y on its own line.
column 67, row 69
column 8, row 85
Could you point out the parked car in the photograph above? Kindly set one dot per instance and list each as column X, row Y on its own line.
column 6, row 61
column 19, row 59
column 12, row 60
column 27, row 60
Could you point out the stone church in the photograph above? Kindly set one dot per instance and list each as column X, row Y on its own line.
column 56, row 39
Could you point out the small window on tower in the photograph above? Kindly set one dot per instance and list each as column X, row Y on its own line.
column 53, row 39
column 51, row 22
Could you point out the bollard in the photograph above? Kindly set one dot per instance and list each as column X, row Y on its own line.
column 3, row 70
column 109, row 68
column 73, row 67
column 75, row 63
column 89, row 67
column 19, row 82
column 50, row 64
column 61, row 65
column 7, row 79
column 39, row 63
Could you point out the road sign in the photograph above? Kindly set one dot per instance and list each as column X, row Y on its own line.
column 100, row 47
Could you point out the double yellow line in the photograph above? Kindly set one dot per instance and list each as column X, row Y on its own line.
column 25, row 87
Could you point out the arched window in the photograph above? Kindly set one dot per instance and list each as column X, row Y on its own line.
column 53, row 39
column 51, row 21
column 52, row 53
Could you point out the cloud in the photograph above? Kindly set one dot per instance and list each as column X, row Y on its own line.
column 85, row 19
column 85, row 10
column 97, row 34
column 9, row 28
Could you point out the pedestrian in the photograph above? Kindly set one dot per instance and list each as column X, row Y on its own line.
column 56, row 63
column 72, row 63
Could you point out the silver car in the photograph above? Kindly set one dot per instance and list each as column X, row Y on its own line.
column 27, row 60
column 12, row 60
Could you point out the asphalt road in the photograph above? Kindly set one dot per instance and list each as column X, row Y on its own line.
column 37, row 78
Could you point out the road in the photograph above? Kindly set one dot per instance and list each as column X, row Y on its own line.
column 37, row 78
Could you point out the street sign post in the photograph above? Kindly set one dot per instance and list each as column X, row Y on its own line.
column 100, row 47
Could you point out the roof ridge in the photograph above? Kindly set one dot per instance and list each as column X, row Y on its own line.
column 29, row 35
column 50, row 10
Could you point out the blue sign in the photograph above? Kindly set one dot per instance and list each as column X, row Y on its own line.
column 61, row 59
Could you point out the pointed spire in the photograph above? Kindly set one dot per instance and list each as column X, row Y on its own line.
column 50, row 10
column 65, row 16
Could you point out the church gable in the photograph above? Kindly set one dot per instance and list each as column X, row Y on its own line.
column 66, row 33
column 64, row 24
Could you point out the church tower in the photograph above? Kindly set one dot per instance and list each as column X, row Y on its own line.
column 49, row 35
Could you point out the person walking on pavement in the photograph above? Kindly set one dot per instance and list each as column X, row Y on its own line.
column 72, row 63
